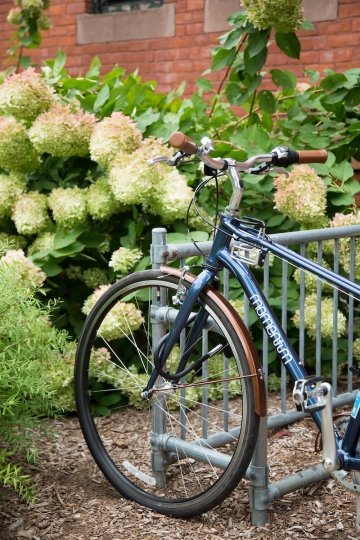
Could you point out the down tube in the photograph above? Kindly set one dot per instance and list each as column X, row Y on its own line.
column 268, row 319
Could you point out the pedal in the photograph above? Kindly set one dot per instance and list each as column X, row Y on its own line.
column 308, row 393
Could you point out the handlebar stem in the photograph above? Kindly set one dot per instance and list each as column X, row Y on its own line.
column 232, row 170
column 238, row 188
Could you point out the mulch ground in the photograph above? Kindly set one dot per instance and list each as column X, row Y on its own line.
column 75, row 502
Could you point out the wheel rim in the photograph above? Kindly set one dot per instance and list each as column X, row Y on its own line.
column 167, row 448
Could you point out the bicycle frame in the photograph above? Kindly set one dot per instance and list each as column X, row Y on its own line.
column 221, row 257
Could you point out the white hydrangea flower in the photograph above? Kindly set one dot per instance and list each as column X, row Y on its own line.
column 123, row 259
column 113, row 137
column 311, row 316
column 68, row 206
column 14, row 16
column 32, row 8
column 196, row 221
column 30, row 213
column 356, row 349
column 343, row 220
column 28, row 274
column 238, row 305
column 43, row 242
column 171, row 198
column 101, row 202
column 74, row 272
column 301, row 196
column 132, row 180
column 94, row 277
column 16, row 150
column 11, row 186
column 282, row 15
column 62, row 132
column 121, row 321
column 25, row 95
column 311, row 281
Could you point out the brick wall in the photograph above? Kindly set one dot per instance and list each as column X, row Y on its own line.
column 184, row 52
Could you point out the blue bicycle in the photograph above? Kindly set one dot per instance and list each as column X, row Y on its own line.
column 174, row 363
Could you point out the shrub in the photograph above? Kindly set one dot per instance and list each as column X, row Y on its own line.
column 33, row 369
column 88, row 144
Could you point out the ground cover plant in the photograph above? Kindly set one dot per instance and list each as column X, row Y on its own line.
column 36, row 361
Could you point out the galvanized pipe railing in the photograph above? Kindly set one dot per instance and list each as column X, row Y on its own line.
column 261, row 492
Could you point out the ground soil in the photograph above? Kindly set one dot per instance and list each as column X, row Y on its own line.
column 75, row 502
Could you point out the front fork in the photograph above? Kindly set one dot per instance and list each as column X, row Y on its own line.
column 186, row 306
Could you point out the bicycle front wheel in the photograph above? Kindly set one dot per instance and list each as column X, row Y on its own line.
column 182, row 451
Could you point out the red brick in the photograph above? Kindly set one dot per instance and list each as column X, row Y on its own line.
column 56, row 10
column 195, row 4
column 335, row 55
column 196, row 28
column 336, row 27
column 310, row 57
column 356, row 56
column 76, row 7
column 314, row 42
column 344, row 40
column 63, row 31
column 350, row 10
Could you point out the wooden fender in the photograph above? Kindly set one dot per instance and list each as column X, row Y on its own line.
column 243, row 334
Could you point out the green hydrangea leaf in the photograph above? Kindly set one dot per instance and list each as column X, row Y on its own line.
column 285, row 79
column 289, row 44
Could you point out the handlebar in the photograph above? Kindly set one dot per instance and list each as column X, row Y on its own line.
column 280, row 156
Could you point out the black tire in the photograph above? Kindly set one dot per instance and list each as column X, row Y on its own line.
column 158, row 470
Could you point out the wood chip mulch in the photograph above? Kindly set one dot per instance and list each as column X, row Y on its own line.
column 75, row 502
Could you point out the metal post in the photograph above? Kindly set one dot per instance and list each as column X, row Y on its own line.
column 356, row 480
column 261, row 492
column 259, row 478
column 158, row 456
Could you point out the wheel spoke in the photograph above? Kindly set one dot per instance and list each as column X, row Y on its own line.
column 128, row 434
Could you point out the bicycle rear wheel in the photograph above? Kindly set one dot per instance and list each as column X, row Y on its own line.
column 163, row 453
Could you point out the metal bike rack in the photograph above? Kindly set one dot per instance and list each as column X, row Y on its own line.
column 261, row 491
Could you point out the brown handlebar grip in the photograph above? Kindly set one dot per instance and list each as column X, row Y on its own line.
column 182, row 142
column 312, row 156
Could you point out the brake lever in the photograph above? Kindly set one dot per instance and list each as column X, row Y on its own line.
column 264, row 168
column 173, row 160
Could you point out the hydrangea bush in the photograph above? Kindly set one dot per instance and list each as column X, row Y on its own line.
column 77, row 186
column 85, row 199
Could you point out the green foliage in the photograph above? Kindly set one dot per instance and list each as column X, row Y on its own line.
column 74, row 243
column 29, row 19
column 11, row 475
column 33, row 370
column 303, row 115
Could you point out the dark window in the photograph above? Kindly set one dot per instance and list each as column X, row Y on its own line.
column 108, row 6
